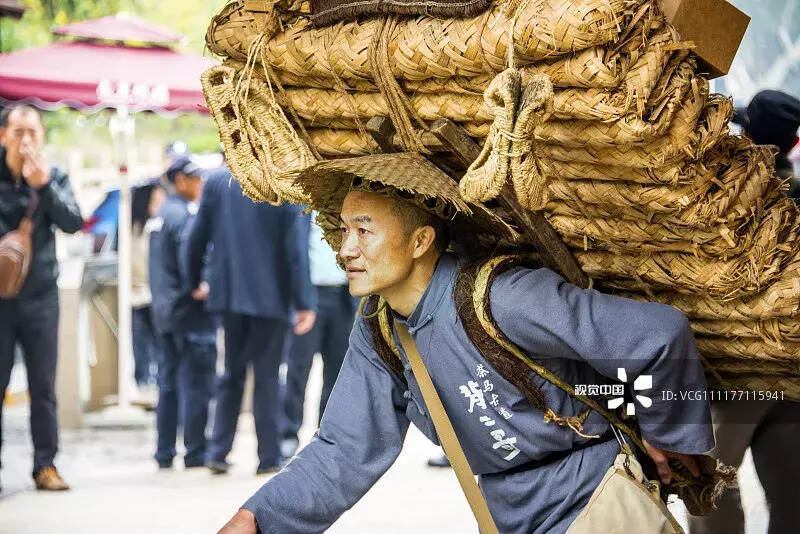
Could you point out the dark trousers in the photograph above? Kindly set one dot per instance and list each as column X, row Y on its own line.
column 329, row 336
column 185, row 382
column 772, row 431
column 258, row 342
column 146, row 346
column 33, row 323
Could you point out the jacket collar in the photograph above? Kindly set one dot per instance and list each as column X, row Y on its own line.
column 438, row 288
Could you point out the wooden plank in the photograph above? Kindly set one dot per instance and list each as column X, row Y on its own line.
column 532, row 224
column 382, row 131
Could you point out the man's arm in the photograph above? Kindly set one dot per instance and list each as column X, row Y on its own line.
column 198, row 237
column 58, row 201
column 549, row 317
column 359, row 438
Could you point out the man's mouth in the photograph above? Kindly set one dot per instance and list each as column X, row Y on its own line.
column 352, row 272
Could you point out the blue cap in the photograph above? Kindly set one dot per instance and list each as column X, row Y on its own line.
column 183, row 165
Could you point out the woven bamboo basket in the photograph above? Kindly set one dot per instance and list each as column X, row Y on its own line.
column 750, row 349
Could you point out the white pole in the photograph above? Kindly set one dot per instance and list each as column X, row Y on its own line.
column 122, row 132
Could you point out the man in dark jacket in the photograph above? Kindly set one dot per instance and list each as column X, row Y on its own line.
column 258, row 273
column 188, row 333
column 31, row 318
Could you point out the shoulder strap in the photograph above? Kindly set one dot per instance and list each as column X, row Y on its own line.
column 447, row 435
column 482, row 309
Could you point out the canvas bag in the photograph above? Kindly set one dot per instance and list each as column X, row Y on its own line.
column 16, row 253
column 624, row 501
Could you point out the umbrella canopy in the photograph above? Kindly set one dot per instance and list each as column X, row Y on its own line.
column 120, row 27
column 92, row 75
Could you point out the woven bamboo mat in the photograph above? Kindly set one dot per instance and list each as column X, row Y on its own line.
column 779, row 299
column 774, row 331
column 749, row 349
column 737, row 277
column 739, row 366
column 425, row 47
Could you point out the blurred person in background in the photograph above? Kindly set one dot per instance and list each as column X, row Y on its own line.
column 146, row 201
column 773, row 118
column 31, row 318
column 258, row 274
column 336, row 311
column 188, row 333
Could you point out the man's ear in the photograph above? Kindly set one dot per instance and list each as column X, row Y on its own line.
column 422, row 240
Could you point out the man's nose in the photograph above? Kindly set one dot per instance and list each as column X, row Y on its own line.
column 349, row 248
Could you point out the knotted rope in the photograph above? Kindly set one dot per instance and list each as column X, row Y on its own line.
column 509, row 151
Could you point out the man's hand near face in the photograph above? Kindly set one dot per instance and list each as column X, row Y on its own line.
column 244, row 522
column 34, row 168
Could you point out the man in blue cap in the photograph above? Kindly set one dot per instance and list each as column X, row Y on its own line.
column 188, row 332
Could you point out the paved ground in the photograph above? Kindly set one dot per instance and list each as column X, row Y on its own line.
column 118, row 489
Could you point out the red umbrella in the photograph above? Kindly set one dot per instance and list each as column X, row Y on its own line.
column 92, row 74
column 120, row 27
column 84, row 75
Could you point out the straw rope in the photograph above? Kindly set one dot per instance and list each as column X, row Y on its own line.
column 261, row 147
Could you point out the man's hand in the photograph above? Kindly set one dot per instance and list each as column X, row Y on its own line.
column 304, row 321
column 244, row 522
column 661, row 458
column 201, row 292
column 34, row 168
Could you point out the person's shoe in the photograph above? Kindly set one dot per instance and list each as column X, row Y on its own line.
column 164, row 464
column 193, row 465
column 266, row 470
column 218, row 468
column 439, row 461
column 48, row 479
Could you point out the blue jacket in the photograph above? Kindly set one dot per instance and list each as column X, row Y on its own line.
column 174, row 310
column 259, row 266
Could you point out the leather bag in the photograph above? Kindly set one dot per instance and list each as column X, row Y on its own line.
column 16, row 253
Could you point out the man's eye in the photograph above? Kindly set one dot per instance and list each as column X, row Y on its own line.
column 362, row 231
column 343, row 230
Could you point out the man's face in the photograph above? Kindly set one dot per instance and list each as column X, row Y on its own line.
column 375, row 248
column 24, row 134
column 191, row 187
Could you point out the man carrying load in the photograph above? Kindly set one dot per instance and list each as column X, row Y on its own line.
column 395, row 220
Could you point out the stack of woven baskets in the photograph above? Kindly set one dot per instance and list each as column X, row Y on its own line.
column 643, row 180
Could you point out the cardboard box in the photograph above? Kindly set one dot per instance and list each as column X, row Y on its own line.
column 715, row 26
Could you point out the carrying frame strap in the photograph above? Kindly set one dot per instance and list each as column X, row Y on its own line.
column 447, row 436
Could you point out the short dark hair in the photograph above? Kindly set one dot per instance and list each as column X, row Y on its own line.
column 413, row 217
column 21, row 108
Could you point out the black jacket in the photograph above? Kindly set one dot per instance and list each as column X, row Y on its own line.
column 57, row 208
column 174, row 310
